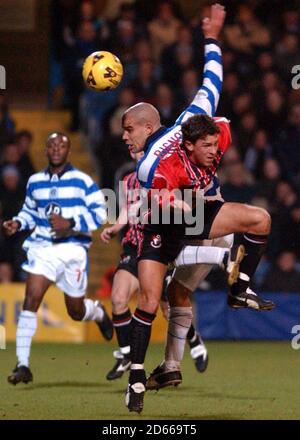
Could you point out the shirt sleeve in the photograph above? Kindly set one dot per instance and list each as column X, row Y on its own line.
column 207, row 97
column 28, row 216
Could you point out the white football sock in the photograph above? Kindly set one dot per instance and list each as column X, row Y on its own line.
column 92, row 311
column 200, row 255
column 26, row 329
column 179, row 323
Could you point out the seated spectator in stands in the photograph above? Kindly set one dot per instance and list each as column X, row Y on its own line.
column 164, row 102
column 188, row 88
column 6, row 272
column 11, row 192
column 287, row 55
column 230, row 91
column 23, row 141
column 247, row 34
column 7, row 125
column 283, row 277
column 238, row 186
column 12, row 156
column 178, row 57
column 12, row 197
column 145, row 84
column 257, row 153
column 246, row 131
column 164, row 28
column 271, row 176
column 287, row 144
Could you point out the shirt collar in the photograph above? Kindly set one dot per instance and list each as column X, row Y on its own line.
column 154, row 136
column 67, row 167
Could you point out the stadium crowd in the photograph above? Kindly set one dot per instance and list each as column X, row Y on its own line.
column 161, row 50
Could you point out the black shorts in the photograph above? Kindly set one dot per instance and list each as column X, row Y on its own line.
column 163, row 243
column 128, row 260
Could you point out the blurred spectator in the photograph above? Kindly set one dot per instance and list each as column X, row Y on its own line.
column 287, row 144
column 287, row 54
column 145, row 84
column 164, row 102
column 247, row 34
column 238, row 186
column 7, row 126
column 271, row 175
column 24, row 140
column 283, row 277
column 258, row 153
column 164, row 28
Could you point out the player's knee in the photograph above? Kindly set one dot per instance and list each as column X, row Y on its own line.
column 119, row 305
column 262, row 220
column 76, row 315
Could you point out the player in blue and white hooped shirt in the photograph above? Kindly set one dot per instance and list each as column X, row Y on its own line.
column 62, row 206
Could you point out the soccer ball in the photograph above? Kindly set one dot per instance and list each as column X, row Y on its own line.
column 102, row 71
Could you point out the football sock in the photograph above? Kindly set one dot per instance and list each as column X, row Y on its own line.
column 26, row 329
column 92, row 311
column 193, row 337
column 201, row 255
column 255, row 246
column 179, row 324
column 140, row 332
column 121, row 325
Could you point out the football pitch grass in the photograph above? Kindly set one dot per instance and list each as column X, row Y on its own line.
column 244, row 380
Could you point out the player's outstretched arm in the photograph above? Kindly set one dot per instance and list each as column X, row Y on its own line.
column 207, row 98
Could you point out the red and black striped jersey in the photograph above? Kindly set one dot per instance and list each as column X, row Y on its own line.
column 132, row 193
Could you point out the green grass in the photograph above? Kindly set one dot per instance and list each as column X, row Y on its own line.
column 244, row 380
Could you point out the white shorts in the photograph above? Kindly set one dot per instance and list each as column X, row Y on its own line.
column 191, row 276
column 64, row 264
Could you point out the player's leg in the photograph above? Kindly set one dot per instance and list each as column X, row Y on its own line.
column 84, row 309
column 151, row 276
column 255, row 224
column 180, row 320
column 125, row 284
column 36, row 287
column 72, row 280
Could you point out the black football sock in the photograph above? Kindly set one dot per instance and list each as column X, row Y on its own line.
column 255, row 246
column 121, row 325
column 193, row 337
column 140, row 332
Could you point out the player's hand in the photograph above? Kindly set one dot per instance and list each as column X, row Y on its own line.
column 107, row 234
column 59, row 223
column 10, row 227
column 213, row 25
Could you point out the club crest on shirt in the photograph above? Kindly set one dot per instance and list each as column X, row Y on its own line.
column 156, row 241
column 53, row 193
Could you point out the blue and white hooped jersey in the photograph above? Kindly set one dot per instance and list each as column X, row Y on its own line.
column 206, row 101
column 72, row 194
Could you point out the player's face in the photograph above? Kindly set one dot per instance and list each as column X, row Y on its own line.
column 203, row 151
column 57, row 151
column 135, row 134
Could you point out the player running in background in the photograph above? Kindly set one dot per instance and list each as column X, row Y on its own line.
column 62, row 206
column 167, row 165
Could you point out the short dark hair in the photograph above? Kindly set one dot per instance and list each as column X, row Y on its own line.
column 58, row 133
column 198, row 127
